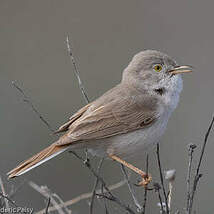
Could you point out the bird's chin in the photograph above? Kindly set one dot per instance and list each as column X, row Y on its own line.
column 176, row 83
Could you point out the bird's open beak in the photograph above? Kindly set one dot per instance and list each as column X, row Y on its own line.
column 181, row 69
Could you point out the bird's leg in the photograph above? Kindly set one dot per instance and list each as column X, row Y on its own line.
column 146, row 179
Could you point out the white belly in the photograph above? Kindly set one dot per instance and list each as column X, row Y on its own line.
column 129, row 144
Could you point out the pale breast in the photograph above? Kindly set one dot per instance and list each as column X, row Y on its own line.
column 133, row 143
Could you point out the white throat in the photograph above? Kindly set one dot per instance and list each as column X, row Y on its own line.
column 173, row 88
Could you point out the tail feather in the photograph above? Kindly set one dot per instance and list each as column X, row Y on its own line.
column 38, row 159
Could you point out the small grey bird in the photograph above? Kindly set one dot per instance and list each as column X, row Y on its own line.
column 125, row 120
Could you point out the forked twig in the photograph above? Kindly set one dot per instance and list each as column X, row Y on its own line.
column 43, row 190
column 30, row 103
column 191, row 148
column 84, row 196
column 117, row 201
column 198, row 175
column 157, row 188
column 110, row 194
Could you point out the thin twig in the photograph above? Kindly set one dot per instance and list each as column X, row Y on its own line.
column 43, row 190
column 95, row 187
column 117, row 201
column 10, row 200
column 61, row 202
column 191, row 148
column 15, row 190
column 48, row 204
column 198, row 175
column 170, row 196
column 76, row 71
column 145, row 189
column 161, row 177
column 131, row 189
column 77, row 74
column 84, row 196
column 170, row 177
column 4, row 193
column 157, row 188
column 111, row 196
column 204, row 145
column 105, row 205
column 30, row 103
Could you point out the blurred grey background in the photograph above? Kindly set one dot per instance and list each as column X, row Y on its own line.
column 105, row 35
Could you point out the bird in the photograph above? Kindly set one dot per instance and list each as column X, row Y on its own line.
column 127, row 119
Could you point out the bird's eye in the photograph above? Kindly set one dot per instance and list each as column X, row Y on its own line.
column 158, row 67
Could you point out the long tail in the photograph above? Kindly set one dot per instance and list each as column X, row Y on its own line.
column 38, row 159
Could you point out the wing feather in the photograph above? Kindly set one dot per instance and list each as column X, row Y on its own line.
column 118, row 116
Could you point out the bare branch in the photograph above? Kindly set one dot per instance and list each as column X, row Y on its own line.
column 191, row 148
column 43, row 190
column 105, row 204
column 15, row 190
column 111, row 196
column 157, row 188
column 145, row 189
column 30, row 103
column 76, row 71
column 161, row 177
column 117, row 201
column 198, row 175
column 10, row 200
column 204, row 145
column 95, row 187
column 131, row 189
column 84, row 196
column 4, row 193
column 61, row 202
column 48, row 204
column 170, row 177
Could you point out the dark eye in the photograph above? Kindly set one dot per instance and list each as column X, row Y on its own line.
column 158, row 67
